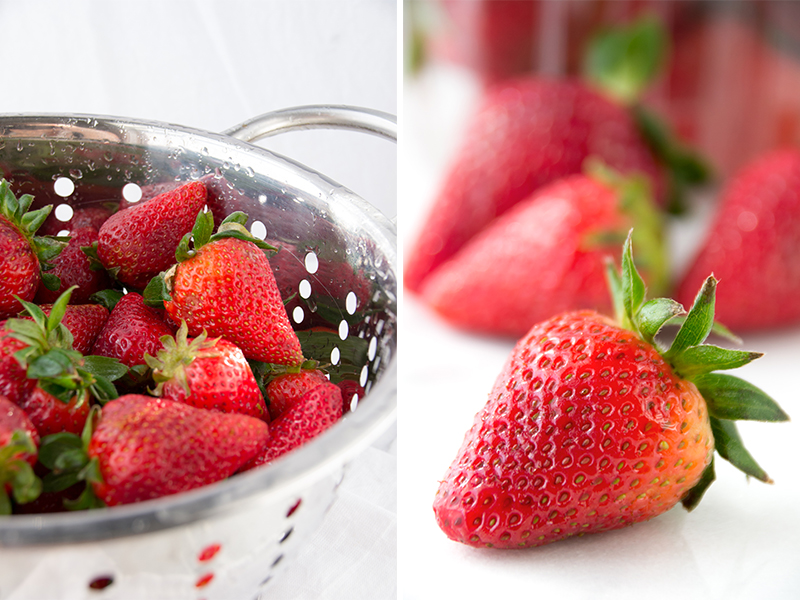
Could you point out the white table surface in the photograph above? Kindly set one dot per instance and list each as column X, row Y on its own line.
column 211, row 64
column 742, row 542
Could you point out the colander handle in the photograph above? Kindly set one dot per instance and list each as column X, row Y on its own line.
column 316, row 117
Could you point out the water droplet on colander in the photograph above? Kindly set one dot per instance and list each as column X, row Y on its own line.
column 311, row 304
column 75, row 173
column 249, row 172
column 20, row 147
column 204, row 151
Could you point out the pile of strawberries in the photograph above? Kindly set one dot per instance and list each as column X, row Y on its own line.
column 595, row 422
column 144, row 353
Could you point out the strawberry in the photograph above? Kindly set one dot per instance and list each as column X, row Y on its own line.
column 546, row 255
column 148, row 447
column 19, row 444
column 287, row 388
column 23, row 255
column 137, row 243
column 40, row 367
column 206, row 373
column 225, row 286
column 132, row 330
column 14, row 383
column 527, row 132
column 84, row 322
column 592, row 425
column 50, row 415
column 753, row 245
column 73, row 267
column 311, row 414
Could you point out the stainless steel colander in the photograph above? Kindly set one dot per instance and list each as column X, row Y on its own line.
column 338, row 263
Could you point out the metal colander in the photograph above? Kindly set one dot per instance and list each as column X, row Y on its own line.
column 338, row 264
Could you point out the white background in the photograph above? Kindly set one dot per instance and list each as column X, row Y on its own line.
column 742, row 541
column 211, row 64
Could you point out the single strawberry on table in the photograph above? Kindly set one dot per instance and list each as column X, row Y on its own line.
column 206, row 373
column 224, row 285
column 137, row 243
column 592, row 425
column 753, row 246
column 547, row 255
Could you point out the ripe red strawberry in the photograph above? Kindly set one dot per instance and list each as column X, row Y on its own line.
column 206, row 373
column 314, row 412
column 225, row 286
column 74, row 268
column 39, row 364
column 19, row 444
column 23, row 256
column 132, row 330
column 137, row 243
column 50, row 415
column 592, row 426
column 544, row 256
column 526, row 133
column 14, row 383
column 753, row 246
column 151, row 447
column 84, row 322
column 287, row 388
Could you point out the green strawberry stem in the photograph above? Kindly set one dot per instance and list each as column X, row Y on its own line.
column 623, row 62
column 728, row 398
column 67, row 458
column 50, row 358
column 16, row 211
column 16, row 472
column 176, row 354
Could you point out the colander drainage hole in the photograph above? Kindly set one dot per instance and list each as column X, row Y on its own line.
column 294, row 507
column 101, row 583
column 286, row 535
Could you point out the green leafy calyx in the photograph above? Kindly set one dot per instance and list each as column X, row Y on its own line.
column 728, row 398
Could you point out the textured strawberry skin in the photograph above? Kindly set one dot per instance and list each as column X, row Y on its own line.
column 587, row 429
column 753, row 247
column 13, row 418
column 14, row 383
column 228, row 289
column 84, row 321
column 141, row 240
column 49, row 415
column 132, row 330
column 526, row 133
column 286, row 390
column 20, row 268
column 314, row 412
column 223, row 382
column 535, row 261
column 73, row 267
column 152, row 447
